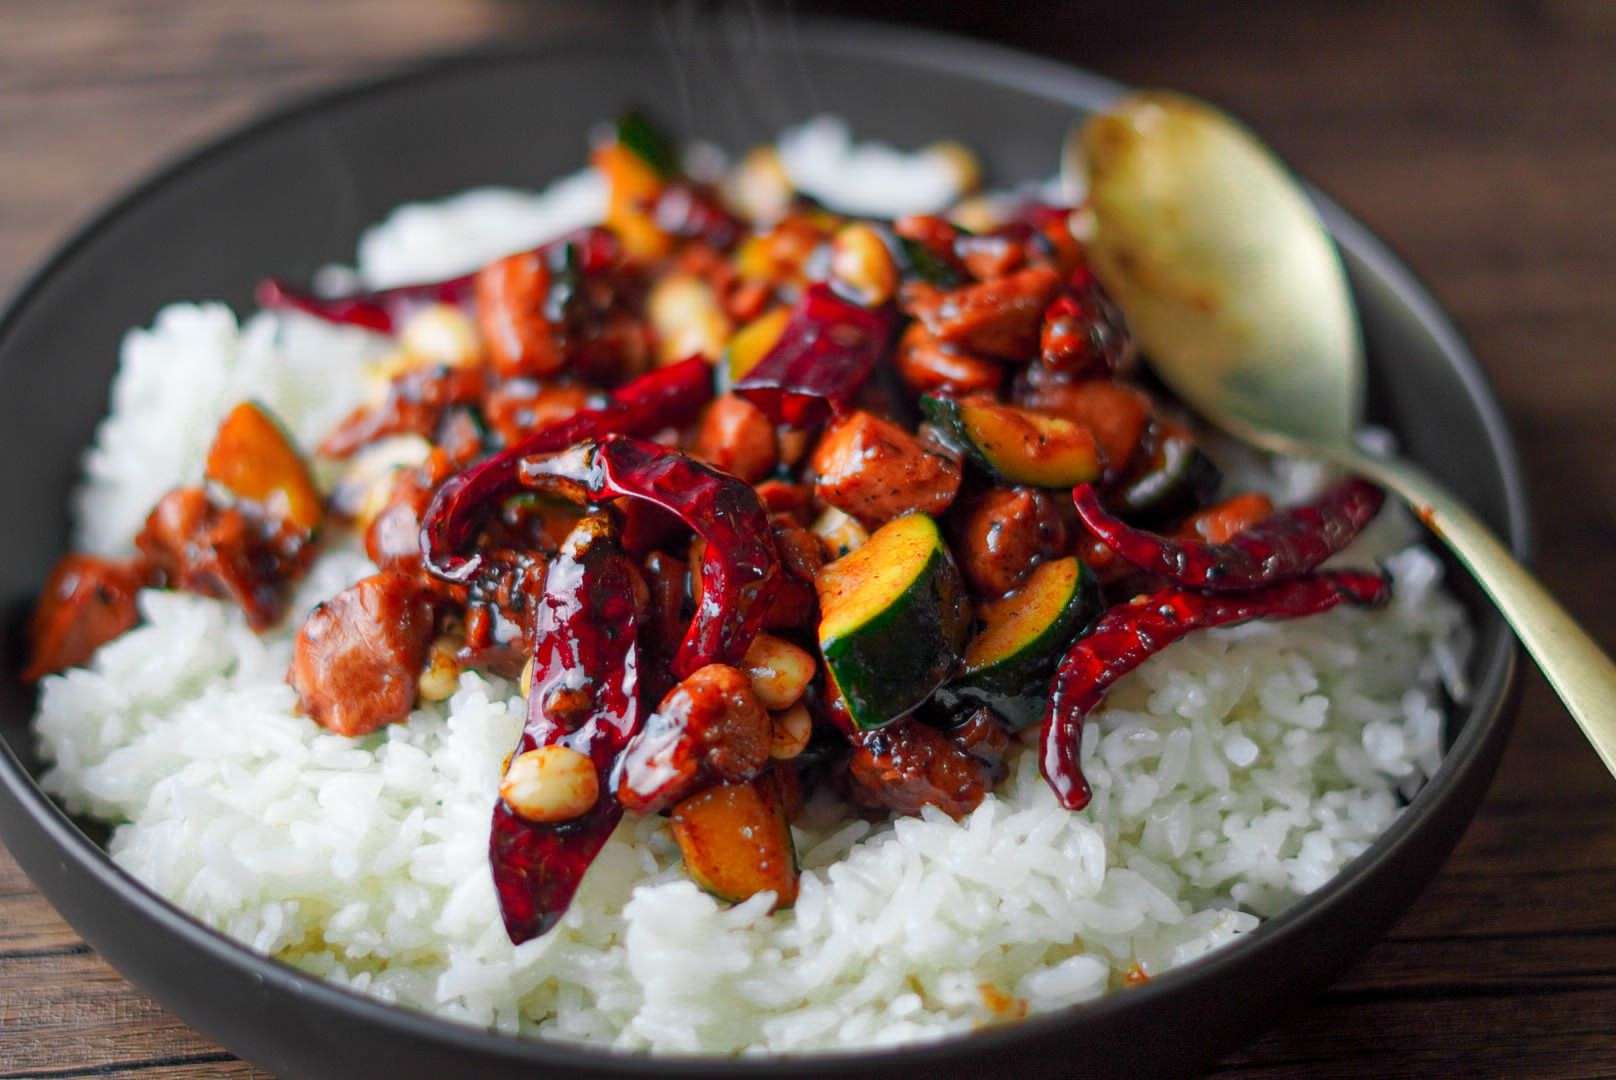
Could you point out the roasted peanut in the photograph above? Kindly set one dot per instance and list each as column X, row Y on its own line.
column 792, row 730
column 549, row 784
column 860, row 259
column 441, row 675
column 779, row 670
column 441, row 334
column 839, row 534
column 688, row 319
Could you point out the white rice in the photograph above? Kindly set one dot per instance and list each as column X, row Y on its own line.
column 1233, row 774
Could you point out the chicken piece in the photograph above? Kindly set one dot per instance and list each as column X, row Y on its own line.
column 1000, row 318
column 359, row 654
column 784, row 499
column 511, row 297
column 1004, row 533
column 993, row 255
column 927, row 366
column 734, row 435
column 909, row 765
column 1116, row 414
column 518, row 407
column 710, row 728
column 193, row 544
column 87, row 601
column 415, row 403
column 393, row 537
column 1222, row 522
column 876, row 471
column 540, row 316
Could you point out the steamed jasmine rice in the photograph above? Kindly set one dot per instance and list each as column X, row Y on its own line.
column 1233, row 774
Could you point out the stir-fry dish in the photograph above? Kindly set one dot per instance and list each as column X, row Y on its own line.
column 751, row 497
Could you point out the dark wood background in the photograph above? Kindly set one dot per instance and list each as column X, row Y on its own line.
column 1479, row 139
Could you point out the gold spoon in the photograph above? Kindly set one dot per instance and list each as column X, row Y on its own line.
column 1235, row 292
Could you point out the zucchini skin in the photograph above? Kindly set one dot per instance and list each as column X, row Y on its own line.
column 647, row 142
column 897, row 658
column 1078, row 464
column 1016, row 687
column 1180, row 481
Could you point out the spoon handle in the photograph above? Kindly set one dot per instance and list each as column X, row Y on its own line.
column 1580, row 672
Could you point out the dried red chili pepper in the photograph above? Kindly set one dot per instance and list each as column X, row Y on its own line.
column 383, row 310
column 690, row 212
column 824, row 356
column 739, row 567
column 386, row 310
column 1084, row 335
column 1129, row 634
column 668, row 396
column 585, row 696
column 1286, row 545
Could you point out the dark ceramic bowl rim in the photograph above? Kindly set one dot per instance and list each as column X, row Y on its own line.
column 1004, row 66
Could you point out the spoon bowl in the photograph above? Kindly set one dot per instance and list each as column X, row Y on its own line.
column 1235, row 292
column 1226, row 273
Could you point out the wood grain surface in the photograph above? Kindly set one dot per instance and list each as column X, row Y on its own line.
column 1476, row 138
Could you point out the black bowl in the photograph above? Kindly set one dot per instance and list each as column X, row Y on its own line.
column 291, row 192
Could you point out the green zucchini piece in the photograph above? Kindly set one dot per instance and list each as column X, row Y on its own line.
column 893, row 620
column 1024, row 634
column 648, row 143
column 915, row 260
column 1179, row 480
column 1018, row 446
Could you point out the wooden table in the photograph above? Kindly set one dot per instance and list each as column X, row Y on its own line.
column 1478, row 139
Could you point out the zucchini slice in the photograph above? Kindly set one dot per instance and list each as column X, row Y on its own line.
column 1008, row 664
column 1179, row 479
column 736, row 841
column 1017, row 445
column 893, row 620
column 648, row 143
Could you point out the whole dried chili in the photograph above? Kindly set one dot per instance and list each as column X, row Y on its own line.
column 739, row 568
column 668, row 396
column 1129, row 634
column 585, row 696
column 823, row 358
column 1286, row 545
column 385, row 311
